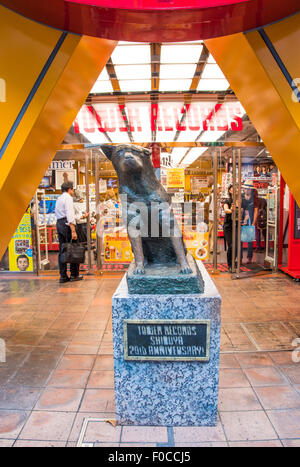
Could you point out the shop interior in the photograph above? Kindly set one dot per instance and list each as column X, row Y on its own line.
column 180, row 106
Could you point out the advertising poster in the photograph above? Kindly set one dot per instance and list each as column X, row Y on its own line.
column 175, row 178
column 197, row 183
column 117, row 248
column 20, row 247
column 64, row 176
column 197, row 244
column 297, row 222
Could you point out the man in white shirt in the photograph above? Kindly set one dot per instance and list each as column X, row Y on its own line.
column 65, row 215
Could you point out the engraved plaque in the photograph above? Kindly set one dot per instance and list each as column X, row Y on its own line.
column 167, row 340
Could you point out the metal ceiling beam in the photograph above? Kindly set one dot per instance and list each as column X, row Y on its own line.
column 155, row 51
column 120, row 98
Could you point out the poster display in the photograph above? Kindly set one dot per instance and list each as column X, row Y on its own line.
column 197, row 244
column 20, row 247
column 64, row 176
column 198, row 182
column 117, row 248
column 175, row 178
column 297, row 222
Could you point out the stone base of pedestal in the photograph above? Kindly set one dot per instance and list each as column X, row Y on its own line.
column 166, row 356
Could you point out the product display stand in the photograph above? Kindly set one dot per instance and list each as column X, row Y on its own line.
column 166, row 356
column 41, row 229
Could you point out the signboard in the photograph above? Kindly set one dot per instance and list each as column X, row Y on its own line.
column 145, row 117
column 167, row 340
column 197, row 244
column 297, row 222
column 62, row 165
column 117, row 248
column 65, row 176
column 261, row 185
column 102, row 186
column 175, row 178
column 198, row 182
column 20, row 247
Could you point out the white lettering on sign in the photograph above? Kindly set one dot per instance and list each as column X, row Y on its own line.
column 61, row 165
column 165, row 116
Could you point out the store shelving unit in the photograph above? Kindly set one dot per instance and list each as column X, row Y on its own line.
column 41, row 230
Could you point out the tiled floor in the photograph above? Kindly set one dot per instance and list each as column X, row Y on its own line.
column 56, row 385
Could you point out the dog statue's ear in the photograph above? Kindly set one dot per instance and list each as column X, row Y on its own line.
column 147, row 152
column 107, row 149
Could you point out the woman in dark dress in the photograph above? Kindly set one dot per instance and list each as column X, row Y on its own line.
column 228, row 208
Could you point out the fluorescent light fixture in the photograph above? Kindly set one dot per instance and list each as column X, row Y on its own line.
column 131, row 54
column 119, row 137
column 212, row 71
column 188, row 136
column 177, row 71
column 135, row 85
column 133, row 72
column 95, row 138
column 185, row 53
column 102, row 86
column 178, row 154
column 193, row 155
column 165, row 136
column 213, row 85
column 142, row 136
column 211, row 136
column 174, row 84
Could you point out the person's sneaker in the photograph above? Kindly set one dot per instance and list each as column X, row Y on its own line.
column 77, row 278
column 62, row 280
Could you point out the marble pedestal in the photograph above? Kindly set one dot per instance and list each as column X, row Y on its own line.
column 166, row 392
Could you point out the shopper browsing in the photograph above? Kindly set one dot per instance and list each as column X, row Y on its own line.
column 229, row 209
column 66, row 230
column 80, row 216
column 249, row 212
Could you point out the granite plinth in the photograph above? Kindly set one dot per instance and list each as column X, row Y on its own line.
column 165, row 279
column 167, row 393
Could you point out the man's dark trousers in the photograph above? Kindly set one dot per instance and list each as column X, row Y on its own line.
column 65, row 236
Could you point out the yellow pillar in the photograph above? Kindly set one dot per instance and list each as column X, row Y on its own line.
column 263, row 69
column 45, row 76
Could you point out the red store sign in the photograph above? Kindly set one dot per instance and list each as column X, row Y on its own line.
column 164, row 116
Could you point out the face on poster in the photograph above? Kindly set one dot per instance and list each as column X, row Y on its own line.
column 20, row 247
column 64, row 176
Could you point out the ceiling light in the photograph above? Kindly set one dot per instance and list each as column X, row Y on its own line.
column 213, row 85
column 212, row 71
column 138, row 85
column 193, row 155
column 185, row 53
column 174, row 84
column 177, row 71
column 177, row 154
column 131, row 54
column 101, row 87
column 133, row 71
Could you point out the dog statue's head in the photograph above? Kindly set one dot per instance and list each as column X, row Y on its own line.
column 127, row 158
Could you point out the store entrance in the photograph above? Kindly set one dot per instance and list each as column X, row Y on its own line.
column 255, row 191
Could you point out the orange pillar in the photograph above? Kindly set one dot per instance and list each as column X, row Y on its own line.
column 45, row 76
column 263, row 70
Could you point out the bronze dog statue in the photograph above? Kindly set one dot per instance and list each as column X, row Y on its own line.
column 142, row 196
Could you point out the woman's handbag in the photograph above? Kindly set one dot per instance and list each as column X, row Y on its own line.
column 248, row 233
column 73, row 253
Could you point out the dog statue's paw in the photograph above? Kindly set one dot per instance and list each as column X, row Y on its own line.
column 139, row 270
column 185, row 270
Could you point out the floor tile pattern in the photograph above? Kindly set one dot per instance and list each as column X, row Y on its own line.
column 56, row 385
